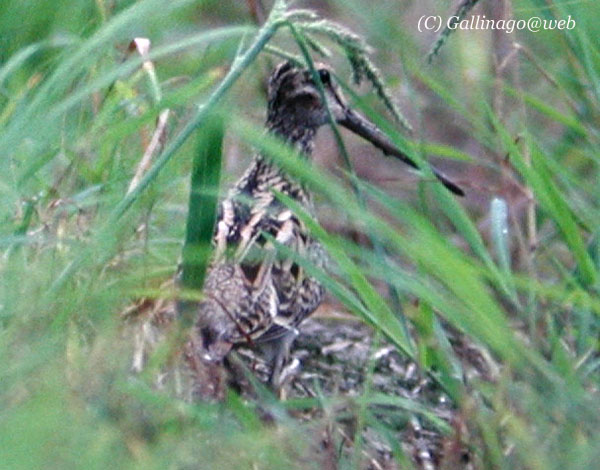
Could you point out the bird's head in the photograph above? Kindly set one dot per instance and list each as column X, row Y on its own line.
column 294, row 96
column 296, row 106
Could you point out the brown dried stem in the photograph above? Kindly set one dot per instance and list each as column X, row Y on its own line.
column 155, row 146
column 157, row 142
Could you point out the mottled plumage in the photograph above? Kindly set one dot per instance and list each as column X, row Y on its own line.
column 252, row 294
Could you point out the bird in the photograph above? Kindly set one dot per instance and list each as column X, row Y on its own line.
column 252, row 295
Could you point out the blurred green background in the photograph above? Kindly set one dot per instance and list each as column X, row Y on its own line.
column 515, row 265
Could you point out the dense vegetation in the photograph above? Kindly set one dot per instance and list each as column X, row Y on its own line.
column 514, row 266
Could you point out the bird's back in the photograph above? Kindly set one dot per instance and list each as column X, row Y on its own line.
column 251, row 292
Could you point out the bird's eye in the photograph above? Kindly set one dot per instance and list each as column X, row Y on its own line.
column 325, row 76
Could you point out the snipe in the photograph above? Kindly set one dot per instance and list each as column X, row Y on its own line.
column 251, row 294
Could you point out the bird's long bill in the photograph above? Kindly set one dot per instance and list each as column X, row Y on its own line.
column 369, row 131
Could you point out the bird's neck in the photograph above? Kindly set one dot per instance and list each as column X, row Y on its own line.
column 263, row 174
column 298, row 135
